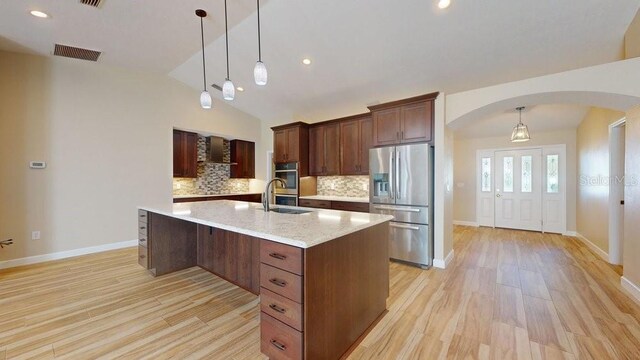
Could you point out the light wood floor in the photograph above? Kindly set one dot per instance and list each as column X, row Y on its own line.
column 507, row 295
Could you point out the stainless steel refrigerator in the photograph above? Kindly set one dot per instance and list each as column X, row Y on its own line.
column 401, row 184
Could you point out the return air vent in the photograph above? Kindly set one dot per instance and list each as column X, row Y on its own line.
column 94, row 3
column 76, row 53
column 217, row 87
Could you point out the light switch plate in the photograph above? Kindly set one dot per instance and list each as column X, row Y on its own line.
column 37, row 164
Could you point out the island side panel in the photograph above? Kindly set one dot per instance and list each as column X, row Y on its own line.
column 173, row 244
column 346, row 285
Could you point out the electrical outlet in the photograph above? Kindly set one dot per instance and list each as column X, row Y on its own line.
column 35, row 235
column 333, row 186
column 178, row 186
column 365, row 186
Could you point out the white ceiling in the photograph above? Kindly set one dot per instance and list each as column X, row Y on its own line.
column 363, row 51
column 539, row 119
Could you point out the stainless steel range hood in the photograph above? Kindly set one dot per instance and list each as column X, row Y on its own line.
column 214, row 151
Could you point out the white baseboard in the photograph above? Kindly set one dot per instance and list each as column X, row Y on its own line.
column 571, row 233
column 66, row 254
column 465, row 223
column 442, row 264
column 603, row 254
column 632, row 288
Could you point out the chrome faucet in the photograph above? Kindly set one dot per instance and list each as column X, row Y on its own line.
column 265, row 194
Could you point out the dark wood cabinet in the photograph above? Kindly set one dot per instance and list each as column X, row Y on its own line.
column 405, row 121
column 324, row 149
column 256, row 198
column 291, row 144
column 243, row 159
column 185, row 154
column 335, row 205
column 355, row 142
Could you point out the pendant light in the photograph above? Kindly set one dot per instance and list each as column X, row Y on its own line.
column 228, row 90
column 205, row 97
column 259, row 71
column 520, row 131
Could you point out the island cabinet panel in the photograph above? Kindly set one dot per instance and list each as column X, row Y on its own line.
column 279, row 341
column 281, row 308
column 173, row 244
column 352, row 293
column 281, row 282
column 282, row 256
column 232, row 256
column 324, row 150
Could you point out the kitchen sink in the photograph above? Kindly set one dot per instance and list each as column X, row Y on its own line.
column 289, row 211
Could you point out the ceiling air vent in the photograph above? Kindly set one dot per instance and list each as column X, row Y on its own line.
column 217, row 87
column 76, row 53
column 94, row 3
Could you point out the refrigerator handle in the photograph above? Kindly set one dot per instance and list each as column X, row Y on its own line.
column 391, row 188
column 397, row 174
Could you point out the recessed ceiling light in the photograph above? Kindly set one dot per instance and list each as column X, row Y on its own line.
column 306, row 61
column 240, row 88
column 39, row 14
column 443, row 4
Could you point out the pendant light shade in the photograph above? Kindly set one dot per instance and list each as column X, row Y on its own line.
column 521, row 131
column 205, row 100
column 260, row 70
column 260, row 73
column 228, row 90
column 205, row 97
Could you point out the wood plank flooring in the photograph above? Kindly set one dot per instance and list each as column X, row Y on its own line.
column 507, row 295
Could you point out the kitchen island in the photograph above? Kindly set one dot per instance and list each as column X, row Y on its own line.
column 322, row 275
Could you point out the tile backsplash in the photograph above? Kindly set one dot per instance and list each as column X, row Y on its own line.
column 353, row 186
column 212, row 178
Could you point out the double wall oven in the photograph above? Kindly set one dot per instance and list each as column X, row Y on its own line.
column 287, row 195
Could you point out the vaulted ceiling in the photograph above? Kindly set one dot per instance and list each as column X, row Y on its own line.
column 363, row 51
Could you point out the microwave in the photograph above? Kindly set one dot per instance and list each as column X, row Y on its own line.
column 289, row 173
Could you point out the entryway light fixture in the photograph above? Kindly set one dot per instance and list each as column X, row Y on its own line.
column 228, row 89
column 259, row 71
column 205, row 97
column 443, row 4
column 520, row 131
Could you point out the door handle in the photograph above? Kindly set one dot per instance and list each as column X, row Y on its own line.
column 407, row 227
column 391, row 188
column 398, row 174
column 498, row 195
column 396, row 209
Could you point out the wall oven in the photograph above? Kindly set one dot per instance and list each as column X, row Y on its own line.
column 287, row 200
column 289, row 173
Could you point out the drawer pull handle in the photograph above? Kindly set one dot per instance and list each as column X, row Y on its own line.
column 277, row 282
column 278, row 256
column 142, row 227
column 278, row 345
column 142, row 256
column 143, row 240
column 277, row 308
column 143, row 215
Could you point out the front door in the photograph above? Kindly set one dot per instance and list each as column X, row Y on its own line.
column 518, row 189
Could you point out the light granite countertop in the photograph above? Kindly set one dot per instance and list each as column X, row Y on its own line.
column 336, row 198
column 302, row 230
column 212, row 195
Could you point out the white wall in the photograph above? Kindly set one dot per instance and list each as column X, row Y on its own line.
column 465, row 182
column 106, row 136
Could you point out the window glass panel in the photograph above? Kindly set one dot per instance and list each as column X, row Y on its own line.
column 486, row 174
column 508, row 174
column 526, row 174
column 552, row 174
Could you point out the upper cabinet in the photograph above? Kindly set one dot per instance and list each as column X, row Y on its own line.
column 291, row 144
column 404, row 121
column 355, row 142
column 185, row 154
column 324, row 150
column 243, row 159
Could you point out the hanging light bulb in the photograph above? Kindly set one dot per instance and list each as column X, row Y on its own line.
column 260, row 70
column 205, row 97
column 521, row 131
column 228, row 89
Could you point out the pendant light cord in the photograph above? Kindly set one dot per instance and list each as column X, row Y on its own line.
column 226, row 37
column 204, row 67
column 259, row 46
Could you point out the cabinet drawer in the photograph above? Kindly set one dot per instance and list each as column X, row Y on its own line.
column 279, row 341
column 143, row 216
column 350, row 206
column 142, row 241
column 321, row 204
column 281, row 256
column 281, row 282
column 142, row 227
column 143, row 257
column 281, row 308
